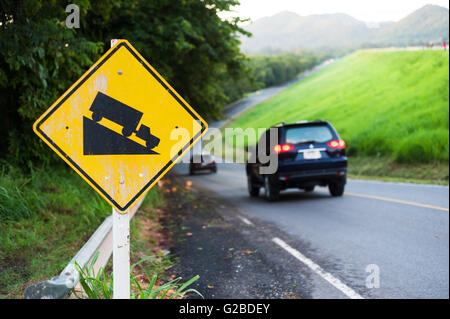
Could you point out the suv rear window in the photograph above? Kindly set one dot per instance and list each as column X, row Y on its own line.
column 302, row 134
column 204, row 158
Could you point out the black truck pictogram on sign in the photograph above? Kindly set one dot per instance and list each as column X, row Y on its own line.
column 99, row 140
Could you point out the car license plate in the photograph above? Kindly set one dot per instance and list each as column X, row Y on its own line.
column 311, row 155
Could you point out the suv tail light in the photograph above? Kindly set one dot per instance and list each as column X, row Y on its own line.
column 283, row 148
column 337, row 144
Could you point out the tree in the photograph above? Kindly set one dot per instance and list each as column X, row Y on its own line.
column 185, row 40
column 39, row 59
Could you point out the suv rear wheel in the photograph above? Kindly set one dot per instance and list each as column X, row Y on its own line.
column 252, row 189
column 336, row 189
column 271, row 191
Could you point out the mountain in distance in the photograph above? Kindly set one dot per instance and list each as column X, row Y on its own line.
column 429, row 23
column 288, row 31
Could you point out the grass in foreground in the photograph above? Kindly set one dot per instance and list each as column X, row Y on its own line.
column 46, row 217
column 100, row 285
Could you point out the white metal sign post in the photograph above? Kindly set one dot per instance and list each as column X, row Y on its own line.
column 121, row 249
column 121, row 255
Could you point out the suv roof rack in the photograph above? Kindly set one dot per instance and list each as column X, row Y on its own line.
column 279, row 124
column 299, row 122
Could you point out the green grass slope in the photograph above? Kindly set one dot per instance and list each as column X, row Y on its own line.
column 385, row 103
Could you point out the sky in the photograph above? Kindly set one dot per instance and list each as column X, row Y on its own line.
column 364, row 10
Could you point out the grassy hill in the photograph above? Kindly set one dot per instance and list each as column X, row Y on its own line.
column 392, row 104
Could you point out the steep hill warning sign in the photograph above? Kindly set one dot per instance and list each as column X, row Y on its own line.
column 115, row 126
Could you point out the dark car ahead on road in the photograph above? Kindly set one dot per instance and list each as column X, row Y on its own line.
column 202, row 162
column 309, row 154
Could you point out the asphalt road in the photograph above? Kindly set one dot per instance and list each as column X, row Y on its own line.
column 408, row 242
column 396, row 230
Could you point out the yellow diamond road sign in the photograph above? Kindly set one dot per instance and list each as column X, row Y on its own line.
column 121, row 126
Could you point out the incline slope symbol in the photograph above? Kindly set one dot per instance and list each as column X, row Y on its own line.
column 99, row 140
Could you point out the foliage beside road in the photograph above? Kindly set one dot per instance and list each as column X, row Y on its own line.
column 40, row 58
column 270, row 70
column 384, row 104
column 45, row 218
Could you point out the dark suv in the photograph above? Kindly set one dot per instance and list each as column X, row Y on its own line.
column 309, row 154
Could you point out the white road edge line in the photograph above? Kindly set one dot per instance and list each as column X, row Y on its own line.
column 318, row 270
column 245, row 220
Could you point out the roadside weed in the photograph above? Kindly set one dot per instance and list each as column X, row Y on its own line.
column 100, row 285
